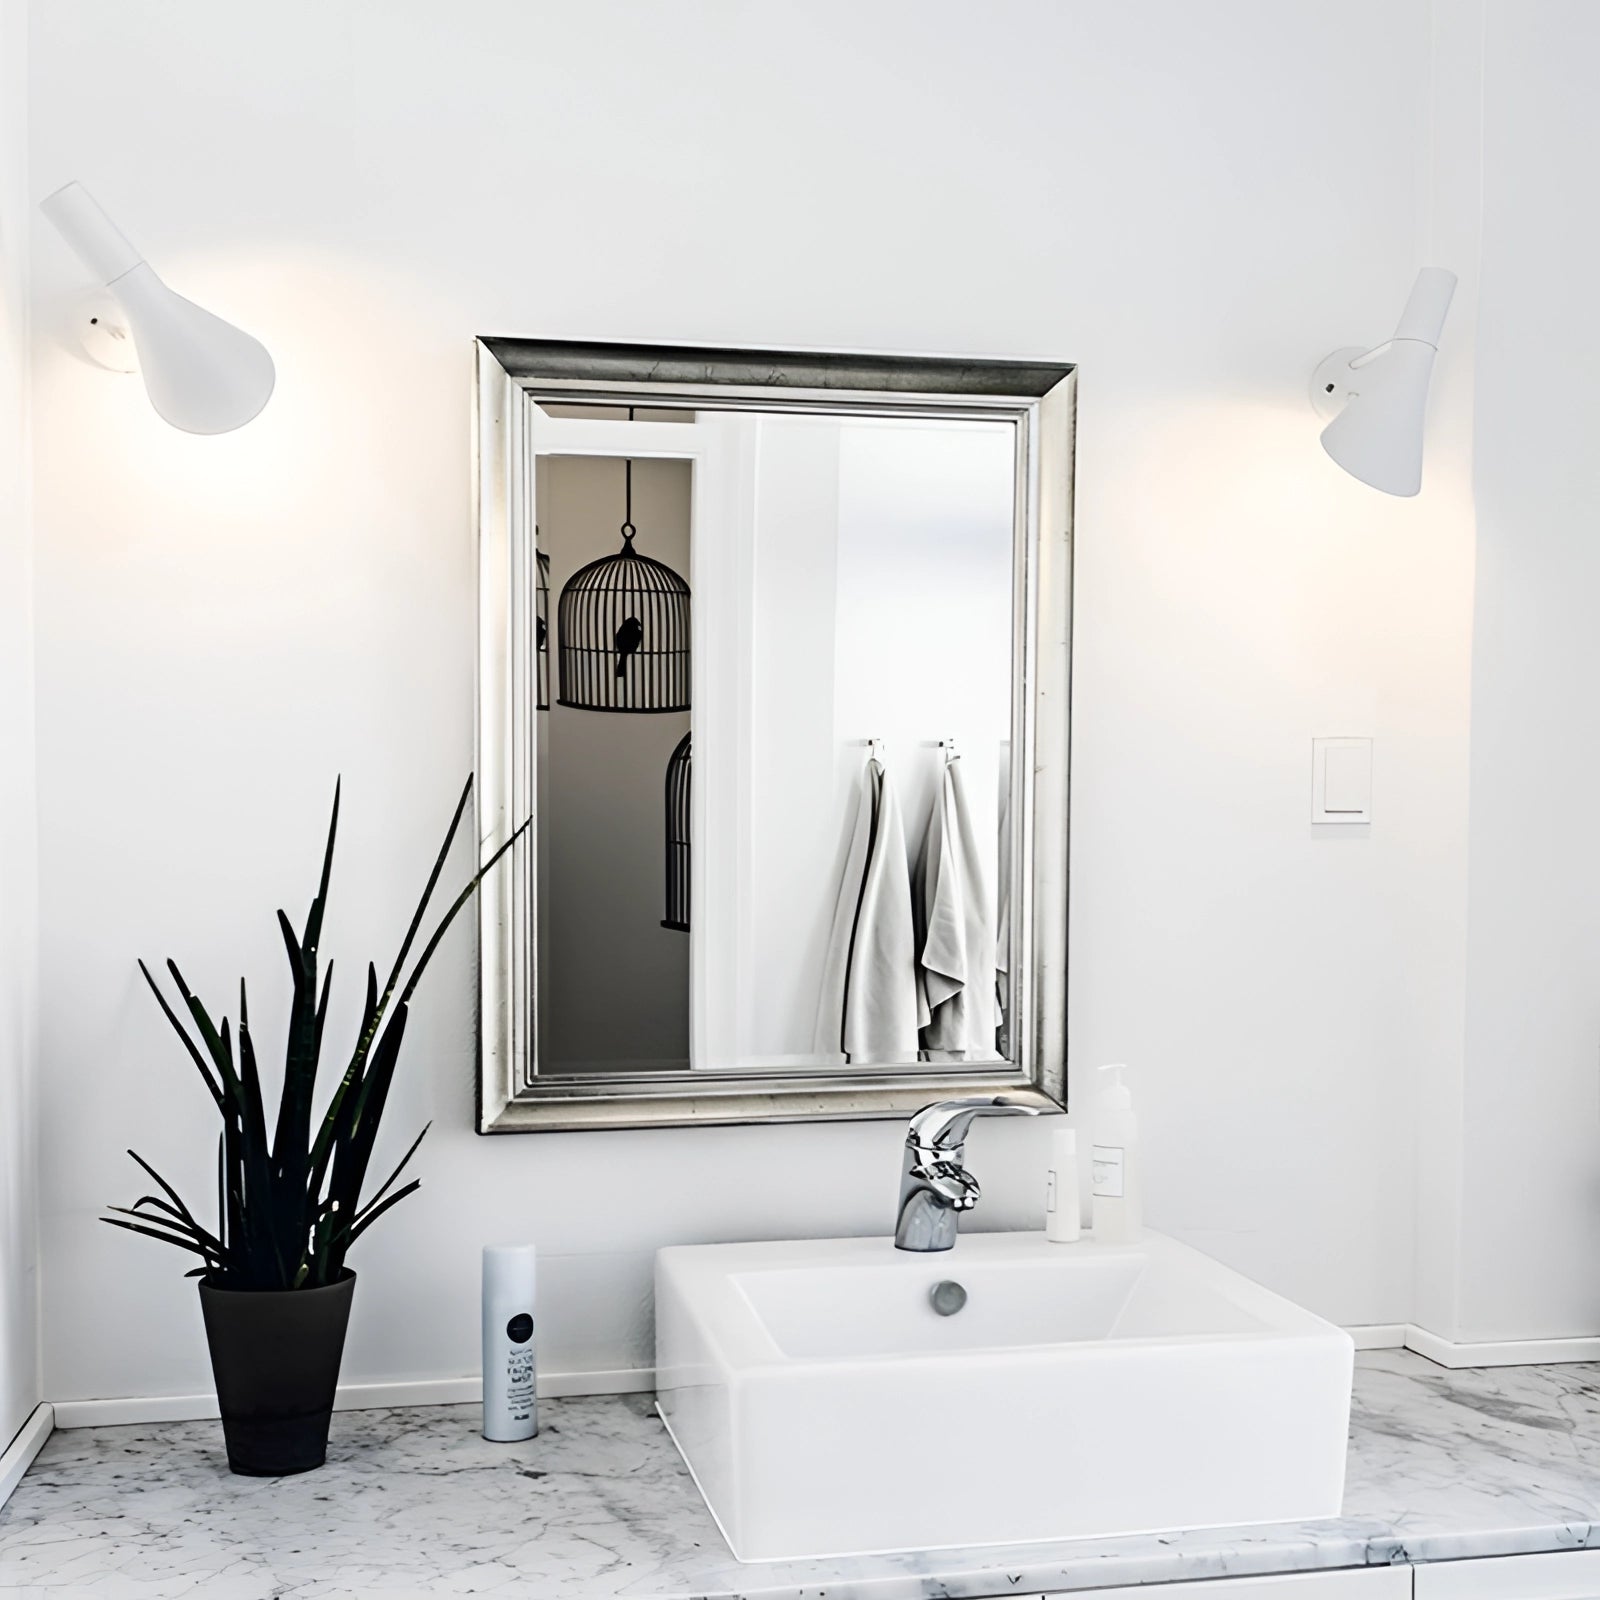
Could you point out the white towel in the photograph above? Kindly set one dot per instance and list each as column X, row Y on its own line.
column 955, row 932
column 868, row 1005
column 1002, row 930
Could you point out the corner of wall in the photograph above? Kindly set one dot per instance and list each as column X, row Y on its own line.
column 1451, row 185
column 20, row 1376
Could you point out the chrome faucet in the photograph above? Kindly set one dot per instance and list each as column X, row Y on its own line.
column 935, row 1186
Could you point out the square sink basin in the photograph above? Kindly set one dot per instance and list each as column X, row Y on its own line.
column 825, row 1407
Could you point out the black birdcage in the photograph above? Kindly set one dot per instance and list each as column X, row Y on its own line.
column 678, row 838
column 622, row 630
column 541, row 629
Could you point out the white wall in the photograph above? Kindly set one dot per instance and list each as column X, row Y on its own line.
column 19, row 1360
column 1529, row 1213
column 1194, row 202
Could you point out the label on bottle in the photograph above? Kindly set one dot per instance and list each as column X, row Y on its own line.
column 1050, row 1192
column 520, row 1394
column 1109, row 1162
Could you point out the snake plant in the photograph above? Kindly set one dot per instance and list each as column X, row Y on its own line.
column 290, row 1207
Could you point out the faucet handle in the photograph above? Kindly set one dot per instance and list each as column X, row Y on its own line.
column 952, row 1183
column 944, row 1124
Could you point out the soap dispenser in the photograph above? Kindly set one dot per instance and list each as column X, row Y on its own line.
column 1116, row 1182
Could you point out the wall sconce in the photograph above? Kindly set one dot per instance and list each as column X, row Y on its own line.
column 202, row 374
column 1378, row 399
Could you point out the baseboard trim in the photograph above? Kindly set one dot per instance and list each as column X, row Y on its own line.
column 1379, row 1336
column 636, row 1380
column 351, row 1397
column 1500, row 1352
column 1456, row 1353
column 18, row 1455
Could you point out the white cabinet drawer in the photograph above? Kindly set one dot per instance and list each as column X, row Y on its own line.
column 1563, row 1575
column 1346, row 1583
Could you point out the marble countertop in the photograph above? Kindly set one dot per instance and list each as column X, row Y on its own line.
column 1443, row 1465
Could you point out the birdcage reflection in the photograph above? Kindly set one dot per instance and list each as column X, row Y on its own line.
column 541, row 628
column 677, row 835
column 622, row 631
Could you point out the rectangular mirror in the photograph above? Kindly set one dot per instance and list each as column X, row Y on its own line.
column 774, row 651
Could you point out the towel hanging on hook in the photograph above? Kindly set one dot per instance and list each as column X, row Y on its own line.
column 954, row 926
column 867, row 1008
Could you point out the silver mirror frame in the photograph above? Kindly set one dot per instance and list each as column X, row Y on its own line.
column 513, row 375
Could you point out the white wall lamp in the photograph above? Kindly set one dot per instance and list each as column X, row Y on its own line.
column 202, row 374
column 1378, row 399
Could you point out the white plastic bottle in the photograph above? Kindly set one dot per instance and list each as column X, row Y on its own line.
column 1062, row 1222
column 1117, row 1180
column 510, row 1379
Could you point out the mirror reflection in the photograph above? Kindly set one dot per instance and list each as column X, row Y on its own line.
column 775, row 660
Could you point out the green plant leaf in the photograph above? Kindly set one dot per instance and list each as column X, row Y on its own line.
column 183, row 1033
column 313, row 934
column 255, row 1116
column 429, row 887
column 166, row 1188
column 375, row 1011
column 322, row 1007
column 388, row 1182
column 332, row 1119
column 175, row 1224
column 221, row 1058
column 367, row 1218
column 450, row 916
column 291, row 1144
column 152, row 1233
column 172, row 1230
column 353, row 1151
column 169, row 1217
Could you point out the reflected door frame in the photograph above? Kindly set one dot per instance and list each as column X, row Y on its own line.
column 721, row 457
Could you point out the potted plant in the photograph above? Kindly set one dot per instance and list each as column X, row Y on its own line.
column 274, row 1288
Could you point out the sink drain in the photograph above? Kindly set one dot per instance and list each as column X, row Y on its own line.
column 947, row 1297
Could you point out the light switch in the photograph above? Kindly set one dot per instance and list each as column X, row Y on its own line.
column 1341, row 780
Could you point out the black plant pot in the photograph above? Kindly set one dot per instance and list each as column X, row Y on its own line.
column 275, row 1356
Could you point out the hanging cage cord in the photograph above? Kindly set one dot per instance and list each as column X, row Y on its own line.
column 628, row 529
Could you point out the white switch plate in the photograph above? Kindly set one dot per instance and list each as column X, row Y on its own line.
column 1341, row 780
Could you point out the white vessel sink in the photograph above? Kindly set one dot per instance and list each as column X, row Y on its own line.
column 825, row 1408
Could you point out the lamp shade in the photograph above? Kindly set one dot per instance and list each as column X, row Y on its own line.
column 1378, row 435
column 202, row 374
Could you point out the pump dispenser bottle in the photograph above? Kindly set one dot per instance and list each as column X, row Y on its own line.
column 1117, row 1178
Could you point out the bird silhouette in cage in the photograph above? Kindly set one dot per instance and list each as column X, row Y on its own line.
column 629, row 637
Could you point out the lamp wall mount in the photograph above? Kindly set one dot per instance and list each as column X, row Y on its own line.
column 1333, row 384
column 103, row 331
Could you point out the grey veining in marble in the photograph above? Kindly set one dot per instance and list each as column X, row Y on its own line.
column 1442, row 1465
